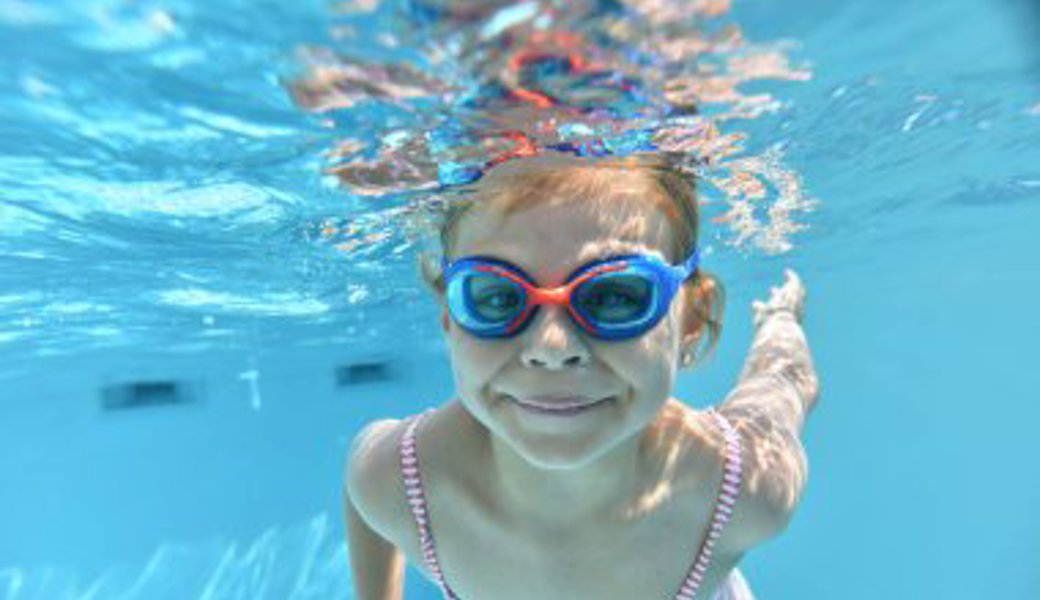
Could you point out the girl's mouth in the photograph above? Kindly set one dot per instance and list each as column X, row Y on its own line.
column 560, row 407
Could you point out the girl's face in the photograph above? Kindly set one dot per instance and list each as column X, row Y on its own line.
column 553, row 355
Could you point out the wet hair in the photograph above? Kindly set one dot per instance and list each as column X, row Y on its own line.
column 527, row 182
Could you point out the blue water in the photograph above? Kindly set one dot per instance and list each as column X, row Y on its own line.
column 164, row 217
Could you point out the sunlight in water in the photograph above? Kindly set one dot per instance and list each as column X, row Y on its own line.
column 491, row 82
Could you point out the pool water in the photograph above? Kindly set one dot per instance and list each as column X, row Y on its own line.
column 205, row 290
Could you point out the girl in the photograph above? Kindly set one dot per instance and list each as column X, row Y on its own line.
column 571, row 293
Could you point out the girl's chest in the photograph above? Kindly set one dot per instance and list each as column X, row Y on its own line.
column 484, row 558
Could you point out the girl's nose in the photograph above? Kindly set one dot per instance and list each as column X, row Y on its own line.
column 553, row 340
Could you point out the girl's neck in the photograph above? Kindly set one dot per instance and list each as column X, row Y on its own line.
column 603, row 491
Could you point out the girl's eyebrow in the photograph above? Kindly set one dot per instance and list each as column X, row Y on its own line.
column 610, row 249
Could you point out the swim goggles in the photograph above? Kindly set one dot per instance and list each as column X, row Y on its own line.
column 614, row 298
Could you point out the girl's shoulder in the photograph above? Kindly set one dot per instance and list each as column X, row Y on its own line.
column 373, row 477
column 376, row 481
column 693, row 432
column 699, row 438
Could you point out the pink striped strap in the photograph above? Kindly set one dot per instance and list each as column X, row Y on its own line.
column 728, row 494
column 416, row 495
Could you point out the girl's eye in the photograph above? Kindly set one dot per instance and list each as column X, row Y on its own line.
column 611, row 299
column 498, row 300
column 616, row 299
column 491, row 298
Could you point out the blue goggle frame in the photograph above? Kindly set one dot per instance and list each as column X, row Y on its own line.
column 664, row 279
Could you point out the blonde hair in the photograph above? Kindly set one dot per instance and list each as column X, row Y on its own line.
column 527, row 182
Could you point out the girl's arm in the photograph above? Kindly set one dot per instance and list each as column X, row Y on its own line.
column 376, row 565
column 780, row 352
column 776, row 390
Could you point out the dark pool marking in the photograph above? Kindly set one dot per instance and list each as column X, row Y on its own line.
column 143, row 394
column 363, row 372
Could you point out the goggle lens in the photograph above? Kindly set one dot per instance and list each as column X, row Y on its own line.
column 619, row 298
column 493, row 299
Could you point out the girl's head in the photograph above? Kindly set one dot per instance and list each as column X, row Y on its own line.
column 548, row 215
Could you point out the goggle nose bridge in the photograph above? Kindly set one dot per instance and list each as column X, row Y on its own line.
column 557, row 295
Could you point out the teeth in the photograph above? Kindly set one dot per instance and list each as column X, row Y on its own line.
column 557, row 407
column 566, row 406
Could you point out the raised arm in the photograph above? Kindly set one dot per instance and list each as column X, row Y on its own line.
column 780, row 356
column 376, row 565
column 776, row 390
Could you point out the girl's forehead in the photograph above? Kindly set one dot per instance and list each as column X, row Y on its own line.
column 554, row 238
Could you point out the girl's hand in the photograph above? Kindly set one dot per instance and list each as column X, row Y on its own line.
column 790, row 297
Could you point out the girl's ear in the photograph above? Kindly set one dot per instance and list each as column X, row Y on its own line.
column 433, row 278
column 687, row 353
column 690, row 329
column 431, row 275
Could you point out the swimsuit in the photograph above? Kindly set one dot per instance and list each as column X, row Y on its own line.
column 732, row 588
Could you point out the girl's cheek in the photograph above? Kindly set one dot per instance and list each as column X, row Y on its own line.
column 474, row 351
column 642, row 354
column 625, row 359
